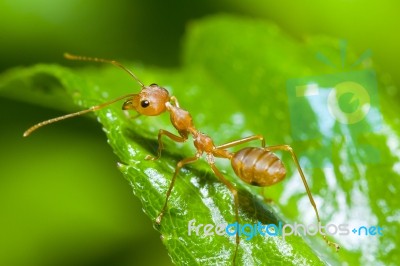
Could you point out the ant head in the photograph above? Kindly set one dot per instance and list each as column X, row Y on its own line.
column 150, row 101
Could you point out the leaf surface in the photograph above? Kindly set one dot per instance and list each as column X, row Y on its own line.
column 235, row 81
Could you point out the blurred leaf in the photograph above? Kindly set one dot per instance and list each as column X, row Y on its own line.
column 233, row 83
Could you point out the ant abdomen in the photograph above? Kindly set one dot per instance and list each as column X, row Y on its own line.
column 258, row 166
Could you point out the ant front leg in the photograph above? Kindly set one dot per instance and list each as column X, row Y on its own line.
column 178, row 167
column 160, row 143
column 289, row 149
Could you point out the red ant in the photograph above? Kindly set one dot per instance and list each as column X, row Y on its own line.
column 257, row 166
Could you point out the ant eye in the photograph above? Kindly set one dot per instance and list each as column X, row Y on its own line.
column 144, row 103
column 153, row 85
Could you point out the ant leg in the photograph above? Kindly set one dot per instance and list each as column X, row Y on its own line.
column 288, row 148
column 179, row 165
column 160, row 144
column 236, row 199
column 241, row 141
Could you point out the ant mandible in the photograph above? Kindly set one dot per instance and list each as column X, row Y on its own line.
column 257, row 166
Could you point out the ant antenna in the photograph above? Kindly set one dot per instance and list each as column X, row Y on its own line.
column 101, row 60
column 91, row 109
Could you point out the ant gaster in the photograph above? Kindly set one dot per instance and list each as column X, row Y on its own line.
column 257, row 166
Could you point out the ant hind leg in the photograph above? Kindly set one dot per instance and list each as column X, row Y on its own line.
column 242, row 141
column 289, row 149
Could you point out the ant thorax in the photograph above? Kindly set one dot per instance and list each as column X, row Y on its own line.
column 203, row 143
column 180, row 119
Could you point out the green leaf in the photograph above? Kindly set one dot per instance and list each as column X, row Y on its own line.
column 235, row 82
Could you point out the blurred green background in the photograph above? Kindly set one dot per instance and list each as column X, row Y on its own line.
column 51, row 213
